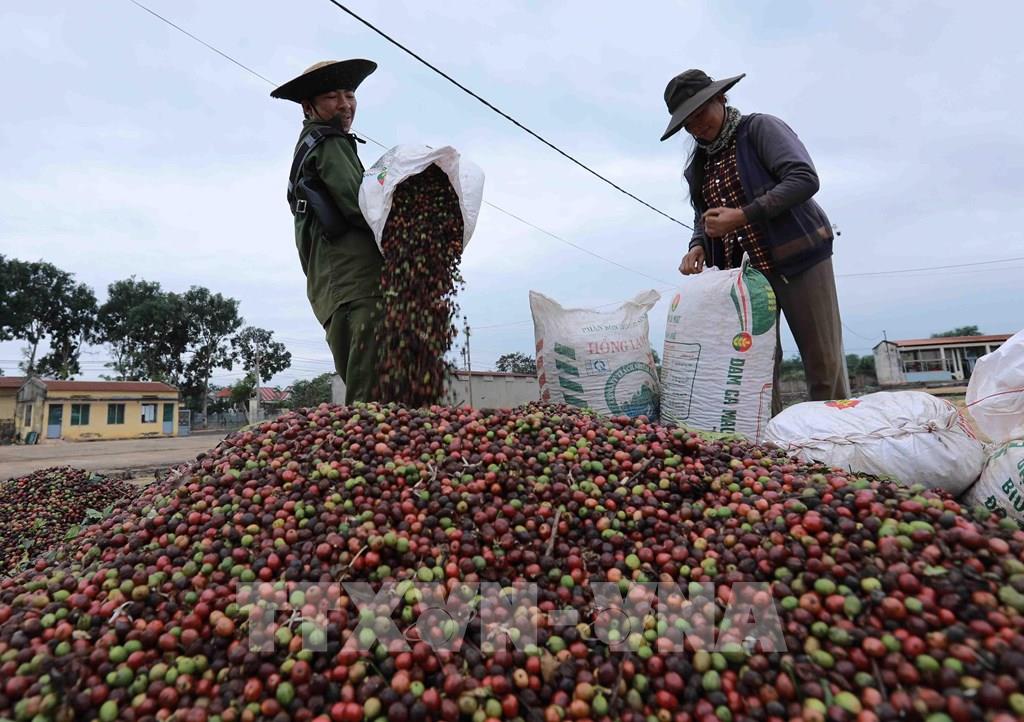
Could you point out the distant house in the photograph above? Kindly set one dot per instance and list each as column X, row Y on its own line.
column 924, row 360
column 83, row 410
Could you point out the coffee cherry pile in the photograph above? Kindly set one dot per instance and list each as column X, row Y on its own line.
column 39, row 511
column 422, row 248
column 893, row 603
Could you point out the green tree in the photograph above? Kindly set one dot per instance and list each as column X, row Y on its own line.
column 40, row 302
column 117, row 327
column 657, row 360
column 242, row 391
column 516, row 363
column 147, row 330
column 14, row 306
column 257, row 349
column 312, row 392
column 212, row 319
column 959, row 331
column 852, row 363
column 792, row 368
column 77, row 323
column 866, row 367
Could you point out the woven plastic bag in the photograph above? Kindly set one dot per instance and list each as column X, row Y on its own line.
column 401, row 162
column 909, row 436
column 720, row 341
column 995, row 393
column 1001, row 486
column 597, row 360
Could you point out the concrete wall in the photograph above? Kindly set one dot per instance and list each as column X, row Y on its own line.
column 493, row 391
column 489, row 390
column 888, row 368
column 7, row 402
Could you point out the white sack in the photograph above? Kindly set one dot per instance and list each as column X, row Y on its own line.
column 1001, row 486
column 910, row 436
column 995, row 393
column 601, row 361
column 720, row 341
column 403, row 161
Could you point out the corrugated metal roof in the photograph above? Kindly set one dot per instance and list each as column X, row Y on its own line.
column 953, row 340
column 267, row 394
column 140, row 387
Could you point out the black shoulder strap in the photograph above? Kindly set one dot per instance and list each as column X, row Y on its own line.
column 314, row 138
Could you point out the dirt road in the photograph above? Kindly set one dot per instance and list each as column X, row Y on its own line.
column 138, row 455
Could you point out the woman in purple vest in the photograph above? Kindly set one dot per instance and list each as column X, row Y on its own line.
column 751, row 185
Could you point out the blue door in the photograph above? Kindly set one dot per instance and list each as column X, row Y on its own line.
column 169, row 419
column 54, row 419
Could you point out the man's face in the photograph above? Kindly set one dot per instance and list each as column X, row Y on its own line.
column 705, row 123
column 340, row 104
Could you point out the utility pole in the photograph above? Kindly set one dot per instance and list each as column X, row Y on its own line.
column 469, row 363
column 254, row 406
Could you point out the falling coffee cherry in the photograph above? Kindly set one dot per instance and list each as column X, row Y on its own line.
column 422, row 248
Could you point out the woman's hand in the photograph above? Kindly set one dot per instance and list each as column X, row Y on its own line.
column 693, row 262
column 719, row 221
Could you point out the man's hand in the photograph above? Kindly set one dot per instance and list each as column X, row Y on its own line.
column 719, row 221
column 693, row 262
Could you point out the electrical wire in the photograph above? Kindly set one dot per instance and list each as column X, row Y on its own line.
column 384, row 147
column 928, row 268
column 201, row 42
column 503, row 114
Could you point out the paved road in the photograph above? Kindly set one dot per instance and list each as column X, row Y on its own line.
column 141, row 455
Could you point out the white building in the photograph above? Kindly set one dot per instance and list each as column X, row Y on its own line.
column 949, row 358
column 479, row 389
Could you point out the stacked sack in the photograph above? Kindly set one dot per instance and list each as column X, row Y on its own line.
column 720, row 344
column 909, row 436
column 595, row 360
column 995, row 399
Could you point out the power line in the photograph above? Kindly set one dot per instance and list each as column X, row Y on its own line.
column 574, row 245
column 201, row 42
column 929, row 268
column 503, row 114
column 524, row 221
column 859, row 335
column 384, row 147
column 602, row 305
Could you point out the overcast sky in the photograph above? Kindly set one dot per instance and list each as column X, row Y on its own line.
column 129, row 149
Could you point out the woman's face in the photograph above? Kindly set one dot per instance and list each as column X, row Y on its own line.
column 705, row 123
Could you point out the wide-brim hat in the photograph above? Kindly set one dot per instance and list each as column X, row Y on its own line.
column 325, row 76
column 688, row 91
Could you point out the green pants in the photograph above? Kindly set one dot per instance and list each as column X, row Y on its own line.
column 351, row 334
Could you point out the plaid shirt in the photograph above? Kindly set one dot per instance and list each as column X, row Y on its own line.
column 723, row 189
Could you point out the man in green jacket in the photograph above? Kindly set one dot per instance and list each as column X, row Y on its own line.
column 336, row 247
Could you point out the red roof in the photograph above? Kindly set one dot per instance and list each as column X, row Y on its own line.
column 267, row 395
column 11, row 382
column 954, row 340
column 137, row 387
